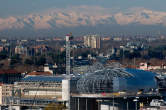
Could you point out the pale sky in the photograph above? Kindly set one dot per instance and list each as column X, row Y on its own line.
column 23, row 7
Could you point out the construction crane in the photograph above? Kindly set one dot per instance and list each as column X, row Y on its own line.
column 69, row 37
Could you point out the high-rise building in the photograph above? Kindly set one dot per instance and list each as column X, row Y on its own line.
column 92, row 41
column 20, row 50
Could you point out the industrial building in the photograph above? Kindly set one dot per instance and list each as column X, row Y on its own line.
column 113, row 88
column 36, row 91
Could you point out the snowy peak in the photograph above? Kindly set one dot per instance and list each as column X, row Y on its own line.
column 83, row 16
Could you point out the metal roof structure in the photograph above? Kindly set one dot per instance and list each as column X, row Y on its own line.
column 142, row 80
column 104, row 79
column 100, row 79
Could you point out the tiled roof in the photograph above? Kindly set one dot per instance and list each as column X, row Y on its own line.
column 1, row 84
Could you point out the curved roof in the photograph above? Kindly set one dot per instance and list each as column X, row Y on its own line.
column 141, row 80
column 100, row 79
column 116, row 79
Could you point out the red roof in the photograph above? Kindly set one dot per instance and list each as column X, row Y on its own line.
column 9, row 71
column 40, row 73
column 1, row 84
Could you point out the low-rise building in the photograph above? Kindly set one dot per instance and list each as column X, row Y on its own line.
column 148, row 66
column 35, row 91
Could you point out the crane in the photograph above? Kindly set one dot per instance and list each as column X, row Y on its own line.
column 69, row 37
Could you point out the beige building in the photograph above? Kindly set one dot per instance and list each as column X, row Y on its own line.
column 92, row 41
column 5, row 91
column 20, row 50
column 35, row 90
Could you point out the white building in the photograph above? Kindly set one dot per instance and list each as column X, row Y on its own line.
column 50, row 68
column 20, row 50
column 35, row 90
column 92, row 41
column 146, row 66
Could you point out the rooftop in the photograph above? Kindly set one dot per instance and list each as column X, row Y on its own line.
column 43, row 79
column 36, row 73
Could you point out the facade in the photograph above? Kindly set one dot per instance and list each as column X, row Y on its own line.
column 35, row 91
column 92, row 41
column 5, row 91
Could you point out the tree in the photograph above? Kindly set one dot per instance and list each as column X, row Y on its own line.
column 41, row 60
column 29, row 61
column 15, row 59
column 3, row 55
column 155, row 54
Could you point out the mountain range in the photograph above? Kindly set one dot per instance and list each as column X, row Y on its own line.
column 83, row 20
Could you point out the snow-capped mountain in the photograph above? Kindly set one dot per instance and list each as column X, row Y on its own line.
column 81, row 17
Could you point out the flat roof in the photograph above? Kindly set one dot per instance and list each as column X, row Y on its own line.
column 43, row 79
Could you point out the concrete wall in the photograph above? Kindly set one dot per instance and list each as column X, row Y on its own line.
column 65, row 90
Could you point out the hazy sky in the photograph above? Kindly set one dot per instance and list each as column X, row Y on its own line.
column 22, row 7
